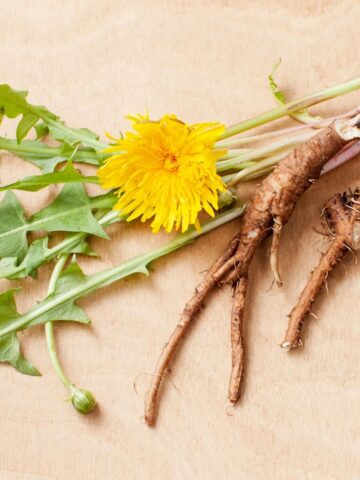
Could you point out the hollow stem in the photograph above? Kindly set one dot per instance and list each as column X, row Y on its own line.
column 82, row 400
column 265, row 151
column 239, row 142
column 49, row 327
column 291, row 107
column 244, row 175
column 236, row 152
column 105, row 220
column 259, row 169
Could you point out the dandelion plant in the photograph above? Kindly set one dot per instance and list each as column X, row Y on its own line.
column 173, row 175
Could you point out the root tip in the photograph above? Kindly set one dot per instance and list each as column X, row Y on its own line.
column 288, row 345
column 234, row 396
column 149, row 421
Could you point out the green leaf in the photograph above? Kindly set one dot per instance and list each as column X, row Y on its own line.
column 41, row 130
column 34, row 151
column 25, row 125
column 69, row 278
column 47, row 158
column 9, row 269
column 36, row 182
column 301, row 115
column 9, row 343
column 82, row 248
column 67, row 310
column 73, row 136
column 71, row 211
column 14, row 103
column 13, row 227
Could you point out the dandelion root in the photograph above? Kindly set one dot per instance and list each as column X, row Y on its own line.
column 237, row 340
column 342, row 214
column 273, row 204
column 190, row 310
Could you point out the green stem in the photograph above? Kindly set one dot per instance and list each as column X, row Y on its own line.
column 82, row 400
column 49, row 327
column 255, row 170
column 234, row 153
column 135, row 265
column 237, row 143
column 291, row 107
column 262, row 152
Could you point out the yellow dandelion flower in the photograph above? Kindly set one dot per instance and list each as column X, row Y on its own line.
column 165, row 170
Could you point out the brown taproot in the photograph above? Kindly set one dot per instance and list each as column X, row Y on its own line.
column 189, row 312
column 342, row 215
column 237, row 340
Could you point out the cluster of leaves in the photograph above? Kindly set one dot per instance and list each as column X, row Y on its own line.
column 13, row 103
column 78, row 144
column 72, row 212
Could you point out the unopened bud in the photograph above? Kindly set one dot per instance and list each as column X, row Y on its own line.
column 226, row 199
column 82, row 400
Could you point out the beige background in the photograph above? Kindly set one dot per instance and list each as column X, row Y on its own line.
column 92, row 62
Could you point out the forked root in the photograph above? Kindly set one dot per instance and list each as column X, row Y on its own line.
column 192, row 307
column 237, row 340
column 342, row 214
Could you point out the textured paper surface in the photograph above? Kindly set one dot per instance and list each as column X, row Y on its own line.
column 92, row 62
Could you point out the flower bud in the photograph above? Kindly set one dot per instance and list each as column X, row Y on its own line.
column 82, row 400
column 226, row 199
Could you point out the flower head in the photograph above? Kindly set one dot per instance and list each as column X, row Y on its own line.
column 165, row 170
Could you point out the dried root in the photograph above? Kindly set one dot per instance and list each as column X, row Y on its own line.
column 342, row 215
column 273, row 204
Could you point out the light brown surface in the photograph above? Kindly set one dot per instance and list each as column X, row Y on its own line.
column 92, row 62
